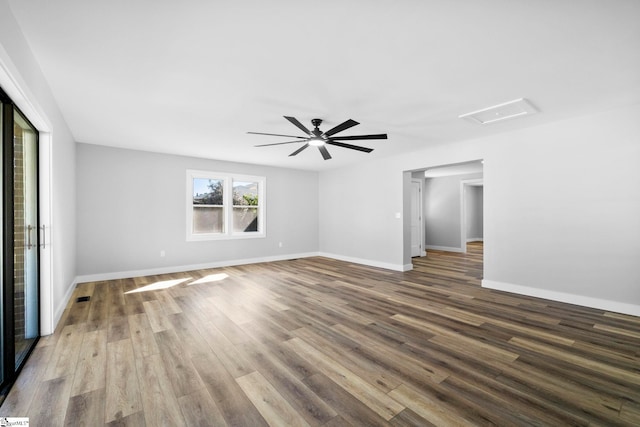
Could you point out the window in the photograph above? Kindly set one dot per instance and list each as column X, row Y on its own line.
column 224, row 206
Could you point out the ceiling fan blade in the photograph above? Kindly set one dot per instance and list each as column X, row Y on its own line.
column 353, row 147
column 298, row 124
column 324, row 151
column 278, row 143
column 342, row 126
column 357, row 137
column 299, row 149
column 277, row 134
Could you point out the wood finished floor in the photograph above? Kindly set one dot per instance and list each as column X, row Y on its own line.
column 322, row 342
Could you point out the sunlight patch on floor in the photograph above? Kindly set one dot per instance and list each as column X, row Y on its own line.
column 210, row 278
column 165, row 284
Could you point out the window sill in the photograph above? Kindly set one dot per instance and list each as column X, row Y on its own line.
column 209, row 237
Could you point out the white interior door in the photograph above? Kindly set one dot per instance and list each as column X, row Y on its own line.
column 416, row 218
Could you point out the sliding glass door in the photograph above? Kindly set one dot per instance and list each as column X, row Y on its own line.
column 25, row 236
column 19, row 302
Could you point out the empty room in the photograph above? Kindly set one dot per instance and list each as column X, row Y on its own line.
column 285, row 213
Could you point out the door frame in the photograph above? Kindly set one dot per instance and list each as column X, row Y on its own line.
column 463, row 210
column 16, row 89
column 11, row 365
column 420, row 215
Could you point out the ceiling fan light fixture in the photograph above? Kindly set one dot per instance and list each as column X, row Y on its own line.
column 316, row 141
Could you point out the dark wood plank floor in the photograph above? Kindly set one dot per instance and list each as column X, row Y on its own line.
column 322, row 342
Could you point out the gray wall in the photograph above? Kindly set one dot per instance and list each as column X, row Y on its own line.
column 358, row 206
column 561, row 207
column 442, row 211
column 473, row 212
column 131, row 206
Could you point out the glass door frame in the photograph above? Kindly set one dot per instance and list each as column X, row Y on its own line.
column 9, row 370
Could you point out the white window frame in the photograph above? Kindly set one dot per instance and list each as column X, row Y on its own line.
column 227, row 194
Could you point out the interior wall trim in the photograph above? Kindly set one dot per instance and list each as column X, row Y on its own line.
column 229, row 263
column 59, row 310
column 444, row 248
column 598, row 303
column 182, row 268
column 371, row 263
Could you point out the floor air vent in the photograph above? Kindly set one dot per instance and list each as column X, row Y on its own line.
column 83, row 299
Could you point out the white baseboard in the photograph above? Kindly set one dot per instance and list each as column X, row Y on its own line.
column 182, row 268
column 59, row 310
column 443, row 248
column 379, row 264
column 475, row 239
column 615, row 306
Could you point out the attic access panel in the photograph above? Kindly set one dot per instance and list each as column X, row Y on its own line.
column 507, row 110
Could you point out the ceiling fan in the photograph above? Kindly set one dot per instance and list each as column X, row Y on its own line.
column 320, row 139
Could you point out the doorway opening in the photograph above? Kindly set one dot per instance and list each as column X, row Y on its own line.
column 450, row 209
column 472, row 211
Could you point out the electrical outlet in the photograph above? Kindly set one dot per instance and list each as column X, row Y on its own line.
column 280, row 244
column 162, row 253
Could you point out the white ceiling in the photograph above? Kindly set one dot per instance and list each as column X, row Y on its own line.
column 192, row 77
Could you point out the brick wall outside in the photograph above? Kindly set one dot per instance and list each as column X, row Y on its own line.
column 19, row 232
